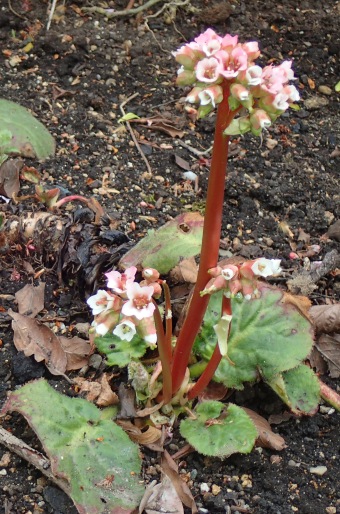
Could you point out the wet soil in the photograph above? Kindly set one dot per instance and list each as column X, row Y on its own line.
column 282, row 195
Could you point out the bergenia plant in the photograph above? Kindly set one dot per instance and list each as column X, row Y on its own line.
column 237, row 329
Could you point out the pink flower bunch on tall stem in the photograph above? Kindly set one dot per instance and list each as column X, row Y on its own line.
column 248, row 98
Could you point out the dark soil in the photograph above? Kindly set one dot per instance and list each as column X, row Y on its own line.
column 281, row 196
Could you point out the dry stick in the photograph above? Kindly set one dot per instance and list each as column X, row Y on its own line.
column 51, row 13
column 121, row 107
column 14, row 12
column 125, row 12
column 32, row 456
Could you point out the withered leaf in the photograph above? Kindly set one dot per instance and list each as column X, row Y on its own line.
column 30, row 299
column 326, row 318
column 185, row 271
column 160, row 123
column 34, row 338
column 266, row 438
column 329, row 347
column 59, row 353
column 144, row 436
column 161, row 498
column 169, row 467
column 9, row 177
column 303, row 236
column 182, row 163
column 77, row 351
column 98, row 391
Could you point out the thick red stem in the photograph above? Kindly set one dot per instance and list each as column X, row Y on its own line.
column 163, row 350
column 216, row 357
column 210, row 242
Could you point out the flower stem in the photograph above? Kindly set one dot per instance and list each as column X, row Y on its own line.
column 216, row 357
column 163, row 351
column 329, row 395
column 210, row 242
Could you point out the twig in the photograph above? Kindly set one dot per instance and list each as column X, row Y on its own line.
column 121, row 107
column 126, row 12
column 193, row 150
column 32, row 456
column 51, row 13
column 15, row 12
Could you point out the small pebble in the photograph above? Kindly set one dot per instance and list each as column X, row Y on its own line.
column 325, row 90
column 316, row 102
column 215, row 489
column 3, row 472
column 318, row 470
column 293, row 464
column 331, row 510
column 324, row 409
column 275, row 459
column 204, row 487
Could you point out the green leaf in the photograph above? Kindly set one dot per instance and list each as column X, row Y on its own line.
column 267, row 337
column 299, row 388
column 162, row 249
column 94, row 456
column 238, row 126
column 219, row 431
column 29, row 137
column 337, row 87
column 128, row 116
column 120, row 352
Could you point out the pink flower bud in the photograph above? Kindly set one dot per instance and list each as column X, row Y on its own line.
column 260, row 119
column 252, row 50
column 150, row 274
column 215, row 272
column 214, row 285
column 211, row 95
column 229, row 272
column 146, row 330
column 185, row 77
column 239, row 92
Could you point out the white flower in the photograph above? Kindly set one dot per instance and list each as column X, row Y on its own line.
column 266, row 267
column 125, row 330
column 100, row 302
column 140, row 301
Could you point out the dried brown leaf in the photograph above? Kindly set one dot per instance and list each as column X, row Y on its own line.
column 326, row 318
column 185, row 271
column 30, row 299
column 182, row 163
column 214, row 391
column 161, row 498
column 329, row 347
column 9, row 177
column 147, row 435
column 127, row 398
column 303, row 236
column 301, row 303
column 34, row 338
column 77, row 351
column 317, row 362
column 266, row 438
column 98, row 391
column 160, row 123
column 277, row 419
column 169, row 467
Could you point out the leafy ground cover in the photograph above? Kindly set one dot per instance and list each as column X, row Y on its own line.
column 79, row 78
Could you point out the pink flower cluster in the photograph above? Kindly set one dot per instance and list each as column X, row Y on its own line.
column 211, row 60
column 241, row 279
column 127, row 309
